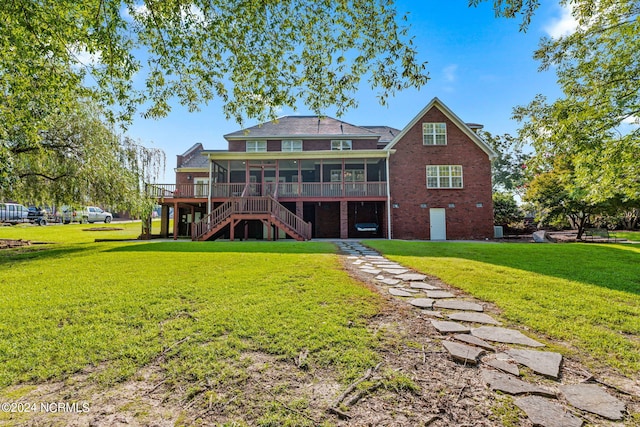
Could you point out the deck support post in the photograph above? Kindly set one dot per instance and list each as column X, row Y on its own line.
column 232, row 230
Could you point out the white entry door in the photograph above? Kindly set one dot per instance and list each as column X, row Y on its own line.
column 438, row 224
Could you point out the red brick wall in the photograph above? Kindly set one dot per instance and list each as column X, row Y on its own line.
column 181, row 177
column 308, row 144
column 409, row 184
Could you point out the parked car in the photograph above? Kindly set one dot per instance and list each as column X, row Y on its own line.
column 13, row 213
column 93, row 214
column 90, row 214
column 39, row 215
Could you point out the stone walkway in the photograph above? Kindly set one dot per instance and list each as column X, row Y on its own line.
column 477, row 340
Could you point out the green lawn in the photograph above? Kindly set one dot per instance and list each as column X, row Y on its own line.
column 73, row 233
column 585, row 294
column 633, row 236
column 202, row 305
column 198, row 309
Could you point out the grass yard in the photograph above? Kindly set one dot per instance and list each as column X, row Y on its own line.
column 269, row 333
column 74, row 233
column 633, row 236
column 115, row 307
column 585, row 294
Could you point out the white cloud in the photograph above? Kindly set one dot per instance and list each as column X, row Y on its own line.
column 449, row 73
column 562, row 26
column 632, row 120
column 83, row 58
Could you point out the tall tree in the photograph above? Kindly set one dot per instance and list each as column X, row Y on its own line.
column 508, row 169
column 253, row 56
column 80, row 159
column 556, row 196
column 597, row 69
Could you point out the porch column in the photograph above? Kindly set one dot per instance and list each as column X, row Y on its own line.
column 344, row 219
column 176, row 219
column 299, row 209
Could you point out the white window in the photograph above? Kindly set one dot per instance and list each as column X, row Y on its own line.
column 291, row 145
column 255, row 146
column 341, row 144
column 434, row 133
column 444, row 176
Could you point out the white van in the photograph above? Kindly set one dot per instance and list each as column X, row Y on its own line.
column 13, row 213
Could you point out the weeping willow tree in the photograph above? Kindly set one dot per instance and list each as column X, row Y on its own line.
column 77, row 158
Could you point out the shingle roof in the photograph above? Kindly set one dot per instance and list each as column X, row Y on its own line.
column 192, row 158
column 386, row 133
column 299, row 126
column 196, row 161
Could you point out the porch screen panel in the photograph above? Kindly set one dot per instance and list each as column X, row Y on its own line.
column 310, row 174
column 237, row 177
column 288, row 179
column 332, row 177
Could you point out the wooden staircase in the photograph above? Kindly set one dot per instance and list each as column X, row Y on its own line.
column 264, row 208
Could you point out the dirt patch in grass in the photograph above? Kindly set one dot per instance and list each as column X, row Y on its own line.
column 415, row 384
column 11, row 243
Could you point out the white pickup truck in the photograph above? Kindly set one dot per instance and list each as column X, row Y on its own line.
column 88, row 214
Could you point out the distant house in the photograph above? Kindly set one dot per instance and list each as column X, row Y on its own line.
column 317, row 177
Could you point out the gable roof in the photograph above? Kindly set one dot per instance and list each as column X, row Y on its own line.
column 435, row 102
column 191, row 157
column 303, row 126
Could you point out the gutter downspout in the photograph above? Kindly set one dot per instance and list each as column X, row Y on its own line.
column 210, row 186
column 388, row 197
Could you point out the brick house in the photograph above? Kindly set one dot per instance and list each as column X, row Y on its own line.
column 309, row 177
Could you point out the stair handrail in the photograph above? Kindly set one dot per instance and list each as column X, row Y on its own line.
column 212, row 220
column 291, row 220
column 267, row 204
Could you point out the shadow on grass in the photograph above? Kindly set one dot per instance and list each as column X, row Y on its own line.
column 282, row 247
column 38, row 252
column 614, row 267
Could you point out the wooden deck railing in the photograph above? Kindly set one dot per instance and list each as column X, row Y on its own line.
column 251, row 205
column 278, row 190
column 332, row 189
column 169, row 191
column 287, row 217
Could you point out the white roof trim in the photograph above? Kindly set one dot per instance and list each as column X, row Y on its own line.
column 435, row 102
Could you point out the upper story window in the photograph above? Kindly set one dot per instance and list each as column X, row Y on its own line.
column 291, row 145
column 444, row 176
column 434, row 133
column 256, row 146
column 341, row 144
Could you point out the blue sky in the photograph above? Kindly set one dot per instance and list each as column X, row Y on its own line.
column 480, row 67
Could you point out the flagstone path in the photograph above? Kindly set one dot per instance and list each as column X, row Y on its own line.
column 473, row 338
